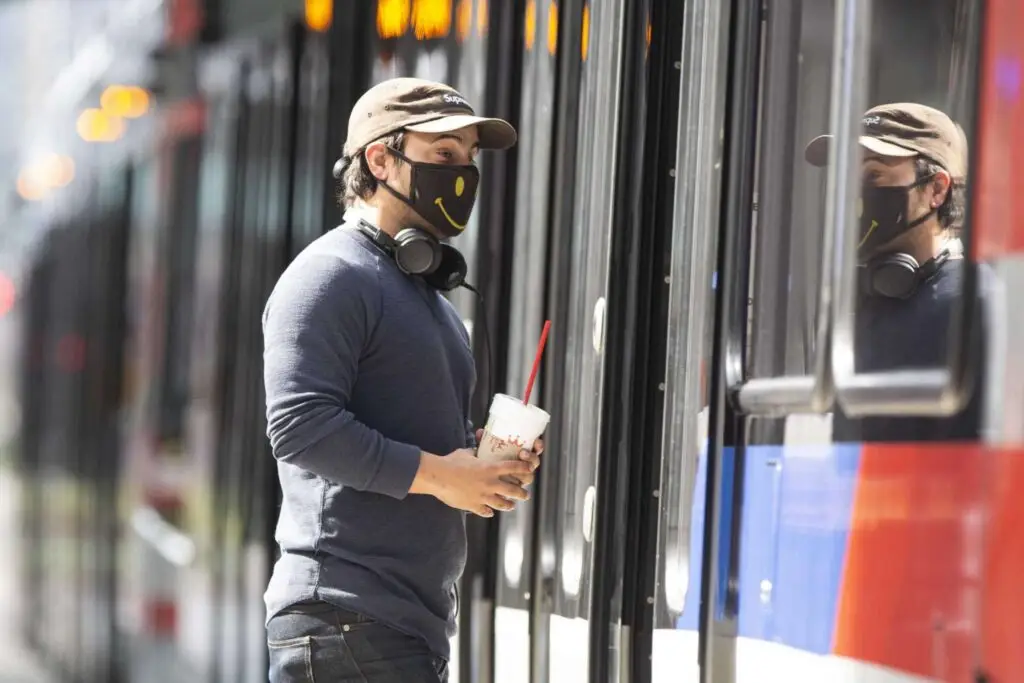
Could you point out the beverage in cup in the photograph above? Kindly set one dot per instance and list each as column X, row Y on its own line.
column 512, row 426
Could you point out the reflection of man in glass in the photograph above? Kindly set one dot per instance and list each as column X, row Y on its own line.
column 912, row 203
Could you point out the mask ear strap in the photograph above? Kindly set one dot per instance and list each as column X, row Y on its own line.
column 921, row 219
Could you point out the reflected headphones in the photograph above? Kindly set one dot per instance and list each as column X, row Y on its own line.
column 415, row 251
column 898, row 275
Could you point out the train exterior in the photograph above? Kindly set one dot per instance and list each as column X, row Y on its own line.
column 699, row 515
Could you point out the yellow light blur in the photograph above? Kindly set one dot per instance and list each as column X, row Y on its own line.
column 530, row 24
column 585, row 40
column 552, row 28
column 123, row 101
column 95, row 125
column 392, row 18
column 431, row 19
column 481, row 17
column 463, row 19
column 648, row 33
column 319, row 14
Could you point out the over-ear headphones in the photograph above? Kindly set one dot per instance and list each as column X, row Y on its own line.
column 898, row 275
column 417, row 252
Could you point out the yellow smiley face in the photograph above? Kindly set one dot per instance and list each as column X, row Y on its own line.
column 460, row 186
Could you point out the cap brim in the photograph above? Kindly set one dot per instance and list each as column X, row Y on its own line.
column 817, row 150
column 494, row 133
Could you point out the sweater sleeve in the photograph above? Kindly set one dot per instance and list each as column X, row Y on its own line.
column 315, row 326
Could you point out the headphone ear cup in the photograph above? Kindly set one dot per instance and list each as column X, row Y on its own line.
column 894, row 276
column 451, row 272
column 416, row 252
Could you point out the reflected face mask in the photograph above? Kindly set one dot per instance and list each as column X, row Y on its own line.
column 883, row 214
column 443, row 194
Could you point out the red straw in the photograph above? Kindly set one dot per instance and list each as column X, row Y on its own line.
column 536, row 361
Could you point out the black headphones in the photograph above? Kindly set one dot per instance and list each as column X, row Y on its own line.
column 417, row 252
column 898, row 275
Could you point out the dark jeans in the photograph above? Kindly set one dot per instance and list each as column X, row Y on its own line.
column 319, row 643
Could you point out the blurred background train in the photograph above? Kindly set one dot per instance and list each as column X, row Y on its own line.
column 694, row 519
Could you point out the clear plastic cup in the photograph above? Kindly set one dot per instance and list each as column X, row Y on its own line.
column 511, row 426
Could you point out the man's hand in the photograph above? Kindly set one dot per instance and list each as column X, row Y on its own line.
column 532, row 457
column 463, row 481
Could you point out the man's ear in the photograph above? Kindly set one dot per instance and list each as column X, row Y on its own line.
column 940, row 184
column 377, row 160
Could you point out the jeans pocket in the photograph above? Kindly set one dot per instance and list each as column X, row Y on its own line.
column 291, row 661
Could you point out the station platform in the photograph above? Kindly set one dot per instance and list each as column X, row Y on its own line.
column 17, row 665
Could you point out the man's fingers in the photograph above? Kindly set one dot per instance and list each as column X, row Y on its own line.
column 513, row 491
column 499, row 503
column 530, row 457
column 514, row 467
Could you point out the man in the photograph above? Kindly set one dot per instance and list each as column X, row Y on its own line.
column 911, row 268
column 368, row 373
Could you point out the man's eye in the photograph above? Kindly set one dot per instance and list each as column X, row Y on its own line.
column 444, row 154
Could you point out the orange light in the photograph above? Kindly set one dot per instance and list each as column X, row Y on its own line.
column 552, row 28
column 319, row 14
column 51, row 172
column 463, row 19
column 481, row 18
column 122, row 101
column 431, row 19
column 29, row 187
column 648, row 34
column 585, row 40
column 95, row 125
column 392, row 18
column 530, row 24
column 57, row 170
column 7, row 295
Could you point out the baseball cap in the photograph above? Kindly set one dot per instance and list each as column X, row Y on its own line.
column 420, row 106
column 905, row 130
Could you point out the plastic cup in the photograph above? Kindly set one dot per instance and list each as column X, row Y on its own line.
column 512, row 426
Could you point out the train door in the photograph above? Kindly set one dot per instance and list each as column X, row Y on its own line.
column 606, row 216
column 839, row 508
column 536, row 150
column 667, row 603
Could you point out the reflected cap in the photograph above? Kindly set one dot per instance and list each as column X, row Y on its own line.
column 420, row 106
column 905, row 130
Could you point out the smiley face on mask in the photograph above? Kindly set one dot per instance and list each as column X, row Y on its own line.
column 442, row 194
column 435, row 176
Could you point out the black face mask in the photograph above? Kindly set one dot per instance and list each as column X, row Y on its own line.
column 883, row 215
column 443, row 194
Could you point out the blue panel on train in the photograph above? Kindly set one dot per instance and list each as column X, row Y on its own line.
column 796, row 512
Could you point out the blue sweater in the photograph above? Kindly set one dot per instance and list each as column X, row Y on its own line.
column 364, row 367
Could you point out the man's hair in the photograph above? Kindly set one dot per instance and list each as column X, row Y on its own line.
column 356, row 181
column 951, row 212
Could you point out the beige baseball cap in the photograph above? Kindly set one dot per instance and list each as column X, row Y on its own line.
column 905, row 130
column 420, row 106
